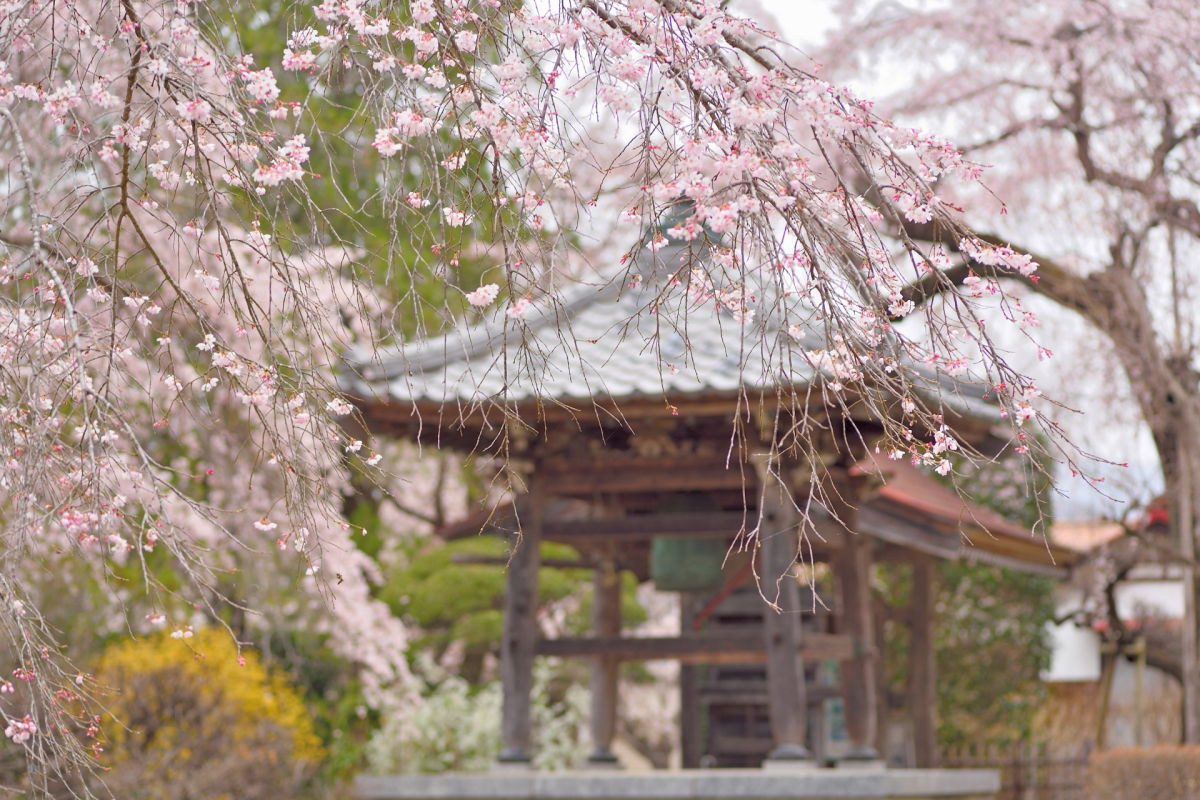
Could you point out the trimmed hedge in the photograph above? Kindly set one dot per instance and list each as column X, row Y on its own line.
column 1165, row 772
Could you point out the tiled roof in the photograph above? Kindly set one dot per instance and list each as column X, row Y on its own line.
column 605, row 340
column 909, row 493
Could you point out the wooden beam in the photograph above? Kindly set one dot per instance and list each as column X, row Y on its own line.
column 712, row 524
column 500, row 561
column 619, row 477
column 520, row 631
column 757, row 695
column 727, row 648
column 922, row 677
column 974, row 553
column 690, row 524
column 901, row 534
column 480, row 420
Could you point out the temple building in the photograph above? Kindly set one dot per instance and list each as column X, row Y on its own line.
column 697, row 451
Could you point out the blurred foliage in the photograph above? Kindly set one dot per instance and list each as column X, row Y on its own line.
column 334, row 696
column 990, row 647
column 456, row 727
column 1018, row 487
column 191, row 717
column 456, row 602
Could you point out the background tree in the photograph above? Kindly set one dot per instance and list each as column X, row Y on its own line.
column 1089, row 113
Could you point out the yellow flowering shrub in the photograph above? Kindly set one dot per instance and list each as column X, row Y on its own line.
column 190, row 718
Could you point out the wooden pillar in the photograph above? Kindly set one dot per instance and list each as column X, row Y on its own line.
column 785, row 669
column 922, row 677
column 879, row 615
column 520, row 630
column 606, row 621
column 852, row 571
column 689, row 687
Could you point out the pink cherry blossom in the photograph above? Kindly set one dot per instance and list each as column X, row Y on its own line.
column 519, row 308
column 21, row 731
column 466, row 40
column 195, row 110
column 483, row 296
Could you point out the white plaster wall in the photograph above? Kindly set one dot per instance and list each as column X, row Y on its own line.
column 1075, row 654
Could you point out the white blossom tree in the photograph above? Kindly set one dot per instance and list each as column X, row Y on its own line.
column 1090, row 113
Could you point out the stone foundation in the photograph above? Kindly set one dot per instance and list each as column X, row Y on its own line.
column 724, row 784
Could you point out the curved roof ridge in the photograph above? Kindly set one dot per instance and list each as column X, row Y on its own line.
column 607, row 338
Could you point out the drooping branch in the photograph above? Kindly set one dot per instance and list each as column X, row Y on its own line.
column 1052, row 279
column 1109, row 299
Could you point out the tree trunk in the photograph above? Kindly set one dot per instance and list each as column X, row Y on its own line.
column 1180, row 479
column 1167, row 391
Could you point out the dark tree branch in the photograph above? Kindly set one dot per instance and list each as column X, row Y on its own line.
column 1112, row 300
column 1053, row 280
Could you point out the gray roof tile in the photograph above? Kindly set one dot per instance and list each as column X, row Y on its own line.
column 604, row 340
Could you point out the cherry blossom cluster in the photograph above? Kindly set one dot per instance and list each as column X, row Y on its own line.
column 22, row 730
column 167, row 361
